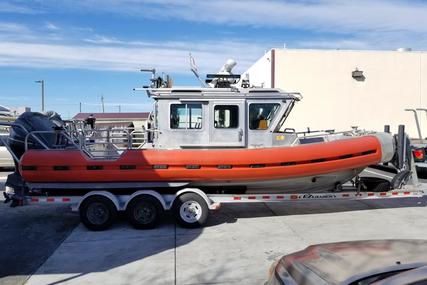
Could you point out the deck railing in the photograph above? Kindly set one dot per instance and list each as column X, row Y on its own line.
column 111, row 142
column 107, row 143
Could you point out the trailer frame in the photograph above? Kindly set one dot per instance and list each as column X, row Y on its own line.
column 200, row 202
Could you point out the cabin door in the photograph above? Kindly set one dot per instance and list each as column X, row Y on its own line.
column 227, row 124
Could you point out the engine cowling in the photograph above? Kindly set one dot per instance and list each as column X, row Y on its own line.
column 33, row 121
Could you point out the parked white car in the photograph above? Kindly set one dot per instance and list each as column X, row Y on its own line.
column 6, row 160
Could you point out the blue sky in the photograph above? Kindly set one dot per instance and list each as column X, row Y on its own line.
column 92, row 48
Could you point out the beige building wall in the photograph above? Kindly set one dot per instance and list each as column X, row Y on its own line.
column 333, row 99
column 259, row 73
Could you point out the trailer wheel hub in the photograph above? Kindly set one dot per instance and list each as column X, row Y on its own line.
column 97, row 213
column 145, row 213
column 190, row 211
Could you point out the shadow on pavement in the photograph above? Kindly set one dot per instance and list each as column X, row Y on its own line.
column 230, row 213
column 29, row 235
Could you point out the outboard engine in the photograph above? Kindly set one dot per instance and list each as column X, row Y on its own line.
column 25, row 124
column 33, row 121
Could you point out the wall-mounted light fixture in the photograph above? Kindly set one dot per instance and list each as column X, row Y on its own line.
column 358, row 75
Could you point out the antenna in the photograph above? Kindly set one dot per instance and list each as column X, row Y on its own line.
column 155, row 82
column 193, row 68
column 151, row 70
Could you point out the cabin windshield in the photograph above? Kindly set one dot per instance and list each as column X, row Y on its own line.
column 261, row 115
column 280, row 126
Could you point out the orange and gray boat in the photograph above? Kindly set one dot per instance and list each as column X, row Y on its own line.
column 220, row 139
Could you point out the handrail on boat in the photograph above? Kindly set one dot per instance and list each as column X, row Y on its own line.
column 57, row 132
column 136, row 139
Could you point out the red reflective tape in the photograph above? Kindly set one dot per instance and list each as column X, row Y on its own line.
column 34, row 199
column 394, row 193
column 251, row 197
column 237, row 198
column 66, row 199
column 280, row 197
column 50, row 199
column 383, row 194
column 266, row 197
column 346, row 195
column 371, row 194
column 294, row 197
column 406, row 193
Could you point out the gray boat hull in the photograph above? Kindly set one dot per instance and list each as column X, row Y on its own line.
column 316, row 183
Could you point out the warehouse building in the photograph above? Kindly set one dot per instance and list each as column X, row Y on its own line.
column 344, row 88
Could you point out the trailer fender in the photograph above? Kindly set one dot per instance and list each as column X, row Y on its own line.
column 147, row 192
column 208, row 201
column 106, row 194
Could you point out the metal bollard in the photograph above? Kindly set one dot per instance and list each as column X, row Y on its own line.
column 401, row 147
column 386, row 128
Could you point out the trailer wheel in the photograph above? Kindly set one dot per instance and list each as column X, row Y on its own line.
column 373, row 184
column 97, row 213
column 191, row 210
column 382, row 187
column 144, row 212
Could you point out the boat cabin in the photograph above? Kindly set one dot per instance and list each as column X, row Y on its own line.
column 220, row 117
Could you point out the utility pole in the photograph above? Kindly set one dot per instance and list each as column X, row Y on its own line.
column 80, row 107
column 102, row 102
column 120, row 108
column 42, row 86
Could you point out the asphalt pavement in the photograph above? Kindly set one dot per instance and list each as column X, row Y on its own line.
column 29, row 235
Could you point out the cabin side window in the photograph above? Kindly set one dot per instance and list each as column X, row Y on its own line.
column 261, row 115
column 186, row 116
column 226, row 116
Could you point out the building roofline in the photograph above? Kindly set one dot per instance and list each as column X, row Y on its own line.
column 347, row 50
column 114, row 116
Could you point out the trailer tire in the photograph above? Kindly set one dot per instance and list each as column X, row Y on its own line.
column 374, row 184
column 97, row 213
column 191, row 210
column 144, row 212
column 382, row 187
